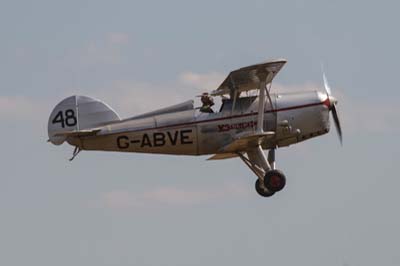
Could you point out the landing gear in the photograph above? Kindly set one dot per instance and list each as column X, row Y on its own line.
column 270, row 180
column 274, row 180
column 262, row 190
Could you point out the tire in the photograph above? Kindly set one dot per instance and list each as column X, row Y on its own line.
column 262, row 191
column 274, row 180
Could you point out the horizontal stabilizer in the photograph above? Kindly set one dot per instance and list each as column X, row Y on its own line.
column 81, row 133
column 247, row 141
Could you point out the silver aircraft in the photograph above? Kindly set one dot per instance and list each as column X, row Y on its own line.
column 243, row 126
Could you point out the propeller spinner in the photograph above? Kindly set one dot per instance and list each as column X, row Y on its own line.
column 332, row 108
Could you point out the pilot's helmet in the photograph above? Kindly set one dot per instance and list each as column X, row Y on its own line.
column 207, row 99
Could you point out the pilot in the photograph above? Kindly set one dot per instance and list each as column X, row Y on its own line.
column 207, row 102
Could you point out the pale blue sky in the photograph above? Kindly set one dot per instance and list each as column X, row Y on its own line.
column 340, row 206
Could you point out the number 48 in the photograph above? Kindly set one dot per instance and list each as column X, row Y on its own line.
column 67, row 118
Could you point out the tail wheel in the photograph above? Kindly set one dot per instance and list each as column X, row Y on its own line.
column 274, row 180
column 262, row 191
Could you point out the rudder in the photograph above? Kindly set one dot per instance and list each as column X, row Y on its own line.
column 77, row 113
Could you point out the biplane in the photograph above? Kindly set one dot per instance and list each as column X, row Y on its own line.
column 251, row 119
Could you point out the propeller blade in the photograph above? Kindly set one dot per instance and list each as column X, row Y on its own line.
column 326, row 85
column 333, row 107
column 337, row 123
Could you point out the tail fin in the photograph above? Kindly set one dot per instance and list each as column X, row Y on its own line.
column 78, row 114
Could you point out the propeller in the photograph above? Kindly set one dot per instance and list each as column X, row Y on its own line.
column 332, row 108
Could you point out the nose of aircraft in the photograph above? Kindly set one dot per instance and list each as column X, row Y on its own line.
column 332, row 101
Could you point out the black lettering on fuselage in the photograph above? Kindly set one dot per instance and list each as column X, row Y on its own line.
column 158, row 139
column 146, row 141
column 173, row 139
column 185, row 138
column 122, row 142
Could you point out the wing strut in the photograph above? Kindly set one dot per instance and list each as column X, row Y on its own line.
column 261, row 106
column 263, row 76
column 257, row 161
column 257, row 156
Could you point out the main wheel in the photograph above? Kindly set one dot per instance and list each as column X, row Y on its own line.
column 262, row 191
column 274, row 180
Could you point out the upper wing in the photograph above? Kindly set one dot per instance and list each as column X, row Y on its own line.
column 246, row 78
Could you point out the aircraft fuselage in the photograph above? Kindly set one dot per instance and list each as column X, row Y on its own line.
column 294, row 117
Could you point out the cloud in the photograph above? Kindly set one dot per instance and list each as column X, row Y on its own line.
column 203, row 81
column 127, row 97
column 138, row 97
column 108, row 50
column 131, row 98
column 20, row 108
column 118, row 38
column 372, row 117
column 118, row 199
column 170, row 196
